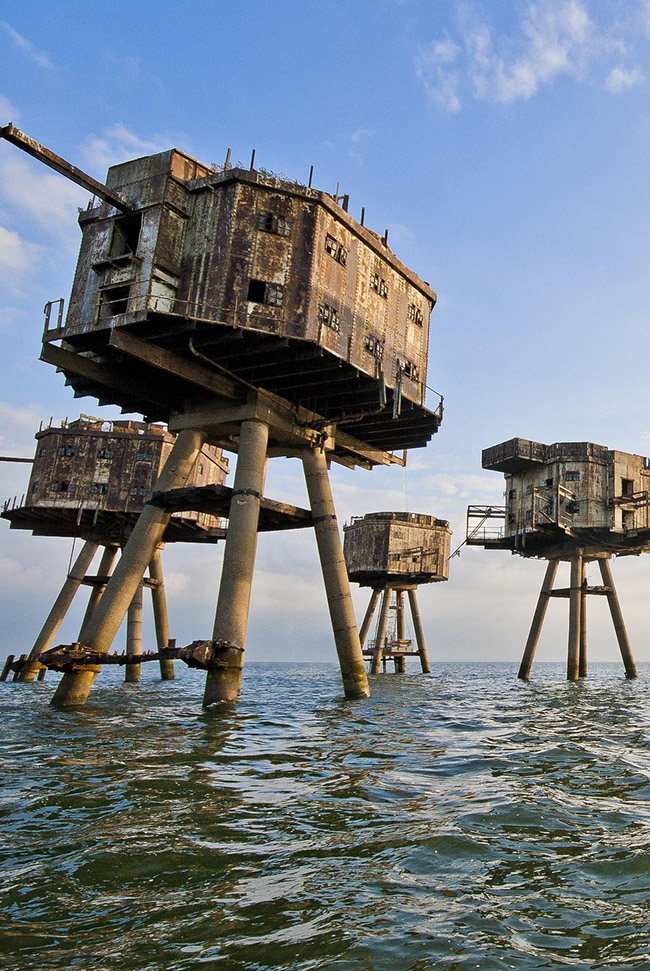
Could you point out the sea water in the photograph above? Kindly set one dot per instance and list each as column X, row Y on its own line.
column 458, row 820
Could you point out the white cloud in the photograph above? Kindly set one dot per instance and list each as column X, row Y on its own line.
column 26, row 46
column 7, row 110
column 620, row 79
column 17, row 257
column 554, row 38
column 361, row 133
column 118, row 144
column 50, row 199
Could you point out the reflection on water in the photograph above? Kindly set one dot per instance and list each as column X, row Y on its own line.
column 461, row 820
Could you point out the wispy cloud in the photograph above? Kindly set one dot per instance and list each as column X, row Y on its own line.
column 117, row 144
column 26, row 46
column 553, row 38
column 7, row 110
column 49, row 199
column 620, row 79
column 17, row 257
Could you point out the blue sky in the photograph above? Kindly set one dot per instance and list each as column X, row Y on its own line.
column 505, row 147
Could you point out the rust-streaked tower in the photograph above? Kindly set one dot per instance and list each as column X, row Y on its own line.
column 253, row 313
column 393, row 553
column 574, row 502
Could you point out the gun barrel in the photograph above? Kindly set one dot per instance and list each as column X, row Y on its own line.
column 38, row 151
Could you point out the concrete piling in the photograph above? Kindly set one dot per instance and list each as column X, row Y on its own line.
column 575, row 615
column 538, row 620
column 160, row 617
column 335, row 576
column 617, row 619
column 59, row 609
column 419, row 632
column 382, row 624
column 133, row 672
column 370, row 613
column 74, row 687
column 223, row 683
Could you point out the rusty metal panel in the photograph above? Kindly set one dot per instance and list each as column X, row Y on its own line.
column 410, row 547
column 112, row 466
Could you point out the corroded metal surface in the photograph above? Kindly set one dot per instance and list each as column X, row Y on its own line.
column 389, row 547
column 269, row 279
column 92, row 478
column 565, row 496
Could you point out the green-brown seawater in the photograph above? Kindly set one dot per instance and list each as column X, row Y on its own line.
column 458, row 820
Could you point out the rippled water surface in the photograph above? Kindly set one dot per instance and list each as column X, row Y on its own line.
column 458, row 820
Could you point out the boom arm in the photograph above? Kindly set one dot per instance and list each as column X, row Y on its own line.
column 38, row 151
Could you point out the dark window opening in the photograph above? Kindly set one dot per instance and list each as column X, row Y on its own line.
column 270, row 223
column 43, row 451
column 105, row 453
column 336, row 250
column 628, row 519
column 65, row 450
column 572, row 507
column 627, row 487
column 126, row 234
column 572, row 476
column 329, row 316
column 114, row 300
column 35, row 487
column 414, row 313
column 549, row 482
column 269, row 293
column 379, row 285
column 410, row 370
column 529, row 514
column 512, row 494
column 145, row 455
column 99, row 488
column 374, row 346
column 61, row 486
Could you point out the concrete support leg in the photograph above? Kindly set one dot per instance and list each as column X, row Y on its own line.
column 160, row 618
column 582, row 664
column 133, row 672
column 617, row 618
column 370, row 613
column 105, row 568
column 400, row 662
column 231, row 621
column 538, row 620
column 147, row 535
column 382, row 623
column 419, row 632
column 335, row 575
column 575, row 615
column 57, row 613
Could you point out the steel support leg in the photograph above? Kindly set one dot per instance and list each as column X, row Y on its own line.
column 57, row 613
column 335, row 575
column 231, row 621
column 147, row 535
column 575, row 615
column 419, row 632
column 382, row 623
column 370, row 613
column 617, row 618
column 538, row 620
column 160, row 618
column 133, row 672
